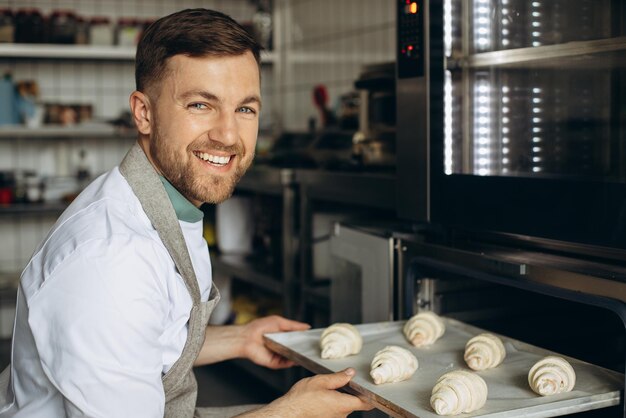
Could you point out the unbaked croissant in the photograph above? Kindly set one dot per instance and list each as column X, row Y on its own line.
column 340, row 340
column 458, row 391
column 424, row 329
column 484, row 351
column 551, row 375
column 393, row 364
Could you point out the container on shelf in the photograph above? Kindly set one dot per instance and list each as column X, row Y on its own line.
column 9, row 114
column 7, row 26
column 34, row 188
column 63, row 27
column 128, row 31
column 7, row 187
column 101, row 31
column 82, row 31
column 29, row 26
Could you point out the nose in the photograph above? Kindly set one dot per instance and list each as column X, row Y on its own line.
column 225, row 130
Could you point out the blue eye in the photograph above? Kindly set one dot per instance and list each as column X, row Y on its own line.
column 198, row 106
column 247, row 110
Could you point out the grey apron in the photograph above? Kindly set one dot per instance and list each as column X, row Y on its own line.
column 179, row 383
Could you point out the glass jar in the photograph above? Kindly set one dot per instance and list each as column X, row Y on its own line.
column 29, row 26
column 101, row 31
column 63, row 27
column 128, row 31
column 7, row 26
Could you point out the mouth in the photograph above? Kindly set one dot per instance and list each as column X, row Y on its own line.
column 214, row 160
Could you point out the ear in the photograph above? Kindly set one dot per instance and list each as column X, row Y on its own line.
column 141, row 111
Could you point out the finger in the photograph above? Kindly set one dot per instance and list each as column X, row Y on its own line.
column 279, row 362
column 354, row 403
column 334, row 380
column 290, row 325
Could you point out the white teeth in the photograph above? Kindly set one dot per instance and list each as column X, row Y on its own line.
column 214, row 159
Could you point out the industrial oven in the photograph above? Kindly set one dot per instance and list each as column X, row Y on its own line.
column 511, row 179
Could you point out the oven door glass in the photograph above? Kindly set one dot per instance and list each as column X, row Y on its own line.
column 535, row 88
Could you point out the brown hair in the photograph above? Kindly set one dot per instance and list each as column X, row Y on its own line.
column 191, row 32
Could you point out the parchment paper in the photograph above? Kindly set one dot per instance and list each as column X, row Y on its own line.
column 509, row 393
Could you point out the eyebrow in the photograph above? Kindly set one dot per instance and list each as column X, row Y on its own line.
column 213, row 98
column 252, row 99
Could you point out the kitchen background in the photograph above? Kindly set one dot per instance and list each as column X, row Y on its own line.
column 73, row 123
column 314, row 42
column 328, row 84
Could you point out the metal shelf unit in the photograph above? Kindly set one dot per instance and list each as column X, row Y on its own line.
column 375, row 191
column 298, row 188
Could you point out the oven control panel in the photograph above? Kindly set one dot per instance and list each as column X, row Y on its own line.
column 410, row 48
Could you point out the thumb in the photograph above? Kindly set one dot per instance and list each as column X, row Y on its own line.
column 336, row 380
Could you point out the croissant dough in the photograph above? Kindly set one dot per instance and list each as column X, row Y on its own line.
column 424, row 328
column 458, row 391
column 340, row 340
column 393, row 364
column 551, row 375
column 484, row 351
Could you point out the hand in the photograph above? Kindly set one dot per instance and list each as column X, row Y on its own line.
column 255, row 349
column 316, row 397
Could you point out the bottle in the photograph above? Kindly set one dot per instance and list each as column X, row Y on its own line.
column 83, row 174
column 82, row 31
column 7, row 26
column 9, row 114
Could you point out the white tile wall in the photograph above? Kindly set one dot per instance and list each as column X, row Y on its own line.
column 106, row 85
column 327, row 42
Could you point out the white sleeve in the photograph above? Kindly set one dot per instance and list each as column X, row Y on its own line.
column 96, row 322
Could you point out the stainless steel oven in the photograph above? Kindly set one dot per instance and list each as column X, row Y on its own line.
column 516, row 113
column 511, row 155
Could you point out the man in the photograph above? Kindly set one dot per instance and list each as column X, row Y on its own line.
column 113, row 307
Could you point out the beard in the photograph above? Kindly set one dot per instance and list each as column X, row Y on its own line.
column 199, row 186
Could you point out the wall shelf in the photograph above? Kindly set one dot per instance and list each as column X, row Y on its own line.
column 33, row 208
column 73, row 52
column 83, row 52
column 55, row 131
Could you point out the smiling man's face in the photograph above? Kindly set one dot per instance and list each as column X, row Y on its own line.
column 204, row 124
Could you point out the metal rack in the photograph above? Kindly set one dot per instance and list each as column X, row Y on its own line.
column 575, row 280
column 297, row 189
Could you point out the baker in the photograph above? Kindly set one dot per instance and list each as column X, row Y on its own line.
column 113, row 307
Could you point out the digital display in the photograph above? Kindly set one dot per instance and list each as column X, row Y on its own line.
column 410, row 39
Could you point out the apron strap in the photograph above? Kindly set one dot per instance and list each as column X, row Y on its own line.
column 145, row 183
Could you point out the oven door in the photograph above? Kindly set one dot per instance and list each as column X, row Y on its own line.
column 533, row 119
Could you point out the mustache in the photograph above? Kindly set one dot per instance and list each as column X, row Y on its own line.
column 216, row 146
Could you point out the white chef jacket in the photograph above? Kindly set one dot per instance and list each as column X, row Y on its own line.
column 102, row 311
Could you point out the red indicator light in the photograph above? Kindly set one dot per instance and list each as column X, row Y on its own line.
column 410, row 47
column 413, row 8
column 408, row 1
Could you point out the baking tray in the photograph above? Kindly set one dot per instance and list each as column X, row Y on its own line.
column 509, row 393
